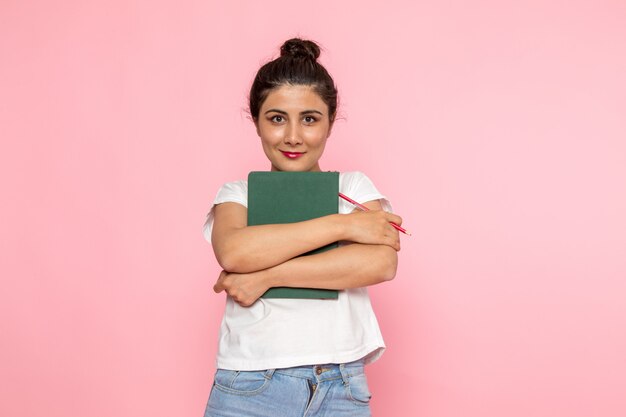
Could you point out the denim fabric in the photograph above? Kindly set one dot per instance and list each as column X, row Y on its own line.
column 313, row 391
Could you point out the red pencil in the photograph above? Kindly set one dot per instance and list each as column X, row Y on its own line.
column 364, row 208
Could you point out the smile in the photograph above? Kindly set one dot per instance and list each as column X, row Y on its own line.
column 292, row 155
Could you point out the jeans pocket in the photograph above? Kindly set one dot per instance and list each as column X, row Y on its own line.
column 358, row 391
column 241, row 382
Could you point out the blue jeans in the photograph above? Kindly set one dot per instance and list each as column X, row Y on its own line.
column 313, row 391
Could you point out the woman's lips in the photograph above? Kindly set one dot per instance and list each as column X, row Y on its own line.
column 292, row 155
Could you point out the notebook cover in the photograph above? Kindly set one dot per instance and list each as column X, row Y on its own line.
column 289, row 197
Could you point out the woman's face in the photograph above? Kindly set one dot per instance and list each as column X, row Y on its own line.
column 293, row 125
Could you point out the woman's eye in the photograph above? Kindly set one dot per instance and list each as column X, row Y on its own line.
column 309, row 119
column 277, row 119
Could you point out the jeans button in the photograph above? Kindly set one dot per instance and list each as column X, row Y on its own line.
column 318, row 370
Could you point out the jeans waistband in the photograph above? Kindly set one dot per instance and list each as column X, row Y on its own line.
column 324, row 372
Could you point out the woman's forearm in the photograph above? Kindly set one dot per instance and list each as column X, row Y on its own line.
column 350, row 266
column 242, row 249
column 254, row 248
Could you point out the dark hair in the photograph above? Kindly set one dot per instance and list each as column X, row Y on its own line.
column 297, row 65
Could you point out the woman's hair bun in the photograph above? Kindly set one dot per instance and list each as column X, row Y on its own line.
column 300, row 48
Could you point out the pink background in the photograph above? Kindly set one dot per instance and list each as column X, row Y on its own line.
column 497, row 129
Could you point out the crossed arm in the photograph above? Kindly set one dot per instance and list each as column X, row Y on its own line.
column 256, row 258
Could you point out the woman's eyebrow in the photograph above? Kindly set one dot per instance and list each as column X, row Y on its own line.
column 311, row 111
column 275, row 111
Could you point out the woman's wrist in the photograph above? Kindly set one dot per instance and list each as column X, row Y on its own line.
column 268, row 277
column 340, row 226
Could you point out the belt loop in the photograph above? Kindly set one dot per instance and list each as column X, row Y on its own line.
column 344, row 374
column 269, row 373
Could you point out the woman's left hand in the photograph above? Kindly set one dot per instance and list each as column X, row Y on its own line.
column 245, row 289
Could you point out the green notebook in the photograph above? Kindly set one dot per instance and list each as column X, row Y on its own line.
column 289, row 197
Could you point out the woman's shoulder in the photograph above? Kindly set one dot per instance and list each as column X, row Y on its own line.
column 354, row 179
column 237, row 187
column 352, row 176
column 233, row 191
column 360, row 187
column 230, row 192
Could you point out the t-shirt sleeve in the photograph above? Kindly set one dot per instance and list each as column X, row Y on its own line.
column 359, row 187
column 231, row 192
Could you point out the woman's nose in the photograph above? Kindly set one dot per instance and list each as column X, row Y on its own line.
column 293, row 135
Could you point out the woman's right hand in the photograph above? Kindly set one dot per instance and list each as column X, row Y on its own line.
column 373, row 227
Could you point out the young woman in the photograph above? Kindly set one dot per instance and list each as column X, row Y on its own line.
column 286, row 357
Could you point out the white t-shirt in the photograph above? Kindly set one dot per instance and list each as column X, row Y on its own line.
column 282, row 333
